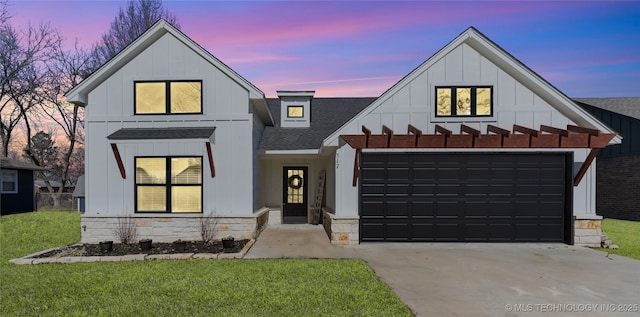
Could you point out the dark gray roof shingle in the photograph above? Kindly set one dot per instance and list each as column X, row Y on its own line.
column 626, row 106
column 327, row 115
column 162, row 133
column 7, row 163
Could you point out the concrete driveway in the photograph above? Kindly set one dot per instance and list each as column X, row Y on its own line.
column 480, row 279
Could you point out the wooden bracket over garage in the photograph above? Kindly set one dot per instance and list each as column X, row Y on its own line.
column 520, row 137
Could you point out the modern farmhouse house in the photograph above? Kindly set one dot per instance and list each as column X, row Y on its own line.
column 470, row 146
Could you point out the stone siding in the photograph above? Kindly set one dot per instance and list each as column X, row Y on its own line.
column 341, row 230
column 168, row 229
column 618, row 187
column 587, row 232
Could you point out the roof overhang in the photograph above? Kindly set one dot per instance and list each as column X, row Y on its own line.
column 162, row 133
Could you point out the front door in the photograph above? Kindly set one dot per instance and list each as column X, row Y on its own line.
column 294, row 195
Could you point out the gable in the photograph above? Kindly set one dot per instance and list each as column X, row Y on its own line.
column 519, row 96
column 165, row 53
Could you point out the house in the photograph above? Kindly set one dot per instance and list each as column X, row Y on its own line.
column 78, row 194
column 618, row 172
column 41, row 186
column 173, row 134
column 16, row 186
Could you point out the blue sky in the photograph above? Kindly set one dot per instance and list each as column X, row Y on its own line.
column 361, row 48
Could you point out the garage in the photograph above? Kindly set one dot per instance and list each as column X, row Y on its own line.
column 465, row 197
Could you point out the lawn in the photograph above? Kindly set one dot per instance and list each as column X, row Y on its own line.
column 204, row 287
column 626, row 234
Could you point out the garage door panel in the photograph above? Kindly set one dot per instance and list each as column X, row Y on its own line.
column 372, row 231
column 401, row 174
column 423, row 173
column 422, row 209
column 423, row 231
column 372, row 189
column 373, row 208
column 398, row 209
column 397, row 189
column 397, row 231
column 464, row 197
column 446, row 232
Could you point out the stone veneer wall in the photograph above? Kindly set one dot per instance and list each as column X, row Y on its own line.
column 618, row 189
column 168, row 229
column 587, row 232
column 341, row 230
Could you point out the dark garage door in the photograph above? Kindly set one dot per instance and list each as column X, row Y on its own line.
column 480, row 197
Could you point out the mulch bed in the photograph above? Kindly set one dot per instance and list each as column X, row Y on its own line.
column 157, row 248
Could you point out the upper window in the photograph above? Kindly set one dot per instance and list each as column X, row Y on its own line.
column 169, row 184
column 9, row 181
column 168, row 97
column 473, row 101
column 295, row 111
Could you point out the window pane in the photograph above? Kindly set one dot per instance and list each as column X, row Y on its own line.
column 152, row 198
column 444, row 101
column 9, row 181
column 483, row 101
column 295, row 111
column 463, row 101
column 295, row 188
column 186, row 199
column 186, row 170
column 186, row 97
column 151, row 170
column 150, row 98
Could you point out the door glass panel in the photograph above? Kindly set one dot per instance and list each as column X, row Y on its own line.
column 295, row 186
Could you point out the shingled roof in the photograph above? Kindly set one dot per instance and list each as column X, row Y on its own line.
column 626, row 106
column 327, row 115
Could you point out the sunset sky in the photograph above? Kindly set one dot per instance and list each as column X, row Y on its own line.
column 361, row 48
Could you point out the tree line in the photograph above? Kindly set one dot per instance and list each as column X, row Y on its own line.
column 37, row 70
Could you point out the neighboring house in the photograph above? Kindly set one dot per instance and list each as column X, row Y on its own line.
column 78, row 194
column 618, row 168
column 41, row 186
column 16, row 186
column 173, row 134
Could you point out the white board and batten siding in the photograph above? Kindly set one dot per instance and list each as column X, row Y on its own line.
column 225, row 106
column 412, row 101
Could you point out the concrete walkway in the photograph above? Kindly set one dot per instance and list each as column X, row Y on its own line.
column 479, row 279
column 296, row 241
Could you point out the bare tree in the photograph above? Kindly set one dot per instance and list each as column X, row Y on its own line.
column 130, row 23
column 65, row 70
column 23, row 55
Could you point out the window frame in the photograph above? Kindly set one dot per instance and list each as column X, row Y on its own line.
column 295, row 106
column 168, row 185
column 473, row 101
column 167, row 103
column 15, row 182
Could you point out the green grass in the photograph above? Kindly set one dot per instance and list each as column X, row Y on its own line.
column 279, row 287
column 626, row 234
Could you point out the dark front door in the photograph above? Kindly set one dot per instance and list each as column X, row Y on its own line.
column 294, row 195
